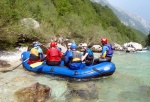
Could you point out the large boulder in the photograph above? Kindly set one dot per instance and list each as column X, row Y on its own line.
column 34, row 93
column 130, row 49
column 136, row 46
column 118, row 47
column 30, row 23
column 96, row 48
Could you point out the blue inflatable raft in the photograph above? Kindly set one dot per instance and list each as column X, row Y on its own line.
column 99, row 70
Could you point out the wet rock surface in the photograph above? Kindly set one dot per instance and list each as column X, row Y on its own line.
column 35, row 93
column 86, row 91
column 4, row 63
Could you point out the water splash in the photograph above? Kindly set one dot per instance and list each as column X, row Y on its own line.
column 12, row 56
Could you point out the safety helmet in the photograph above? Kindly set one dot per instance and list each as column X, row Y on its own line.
column 37, row 44
column 73, row 46
column 104, row 40
column 69, row 44
column 55, row 43
column 52, row 44
column 84, row 44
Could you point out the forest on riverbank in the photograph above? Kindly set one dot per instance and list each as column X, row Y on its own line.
column 82, row 20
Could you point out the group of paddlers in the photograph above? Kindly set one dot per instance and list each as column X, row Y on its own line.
column 72, row 58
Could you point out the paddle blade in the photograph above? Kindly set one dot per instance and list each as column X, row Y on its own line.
column 35, row 64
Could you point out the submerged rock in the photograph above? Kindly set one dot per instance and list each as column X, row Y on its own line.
column 35, row 93
column 86, row 91
column 4, row 63
column 145, row 90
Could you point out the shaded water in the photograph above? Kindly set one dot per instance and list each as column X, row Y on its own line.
column 129, row 83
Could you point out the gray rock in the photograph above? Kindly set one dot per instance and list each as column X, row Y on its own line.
column 136, row 46
column 96, row 48
column 30, row 23
column 118, row 47
column 86, row 91
column 35, row 93
column 4, row 63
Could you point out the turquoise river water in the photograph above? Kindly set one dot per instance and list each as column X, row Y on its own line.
column 129, row 83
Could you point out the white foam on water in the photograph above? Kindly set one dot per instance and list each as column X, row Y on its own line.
column 143, row 51
column 12, row 56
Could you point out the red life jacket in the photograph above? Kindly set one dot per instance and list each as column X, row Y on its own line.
column 53, row 54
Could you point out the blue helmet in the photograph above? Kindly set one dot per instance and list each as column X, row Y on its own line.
column 37, row 44
column 73, row 46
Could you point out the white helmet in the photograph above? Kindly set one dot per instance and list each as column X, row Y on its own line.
column 69, row 44
column 84, row 44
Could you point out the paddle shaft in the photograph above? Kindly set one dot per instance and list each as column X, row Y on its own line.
column 20, row 64
column 16, row 66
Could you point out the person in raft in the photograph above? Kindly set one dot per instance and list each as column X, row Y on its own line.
column 75, row 58
column 53, row 55
column 67, row 54
column 107, row 52
column 88, row 55
column 40, row 51
column 35, row 54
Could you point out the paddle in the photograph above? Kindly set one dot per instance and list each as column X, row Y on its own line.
column 36, row 64
column 15, row 67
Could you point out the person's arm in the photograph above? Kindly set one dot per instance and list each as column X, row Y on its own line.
column 83, row 57
column 104, row 49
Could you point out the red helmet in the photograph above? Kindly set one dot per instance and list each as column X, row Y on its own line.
column 55, row 43
column 104, row 40
column 52, row 44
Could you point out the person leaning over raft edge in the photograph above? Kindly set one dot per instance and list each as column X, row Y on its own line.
column 107, row 52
